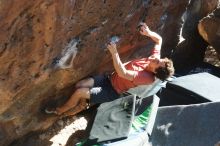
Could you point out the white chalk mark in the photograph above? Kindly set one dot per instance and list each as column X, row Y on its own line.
column 164, row 17
column 104, row 22
column 68, row 55
column 165, row 128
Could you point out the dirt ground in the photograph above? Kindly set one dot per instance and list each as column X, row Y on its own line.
column 64, row 132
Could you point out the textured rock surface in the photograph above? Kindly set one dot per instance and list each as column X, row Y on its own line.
column 192, row 125
column 46, row 46
column 209, row 29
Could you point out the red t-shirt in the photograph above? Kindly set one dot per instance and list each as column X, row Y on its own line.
column 142, row 76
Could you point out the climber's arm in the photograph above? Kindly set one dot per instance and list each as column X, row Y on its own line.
column 144, row 30
column 119, row 67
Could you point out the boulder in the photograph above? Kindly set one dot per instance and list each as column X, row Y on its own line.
column 209, row 29
column 191, row 48
column 187, row 125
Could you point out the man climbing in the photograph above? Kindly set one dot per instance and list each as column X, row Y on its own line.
column 103, row 88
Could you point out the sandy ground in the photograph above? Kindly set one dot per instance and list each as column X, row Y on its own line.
column 69, row 131
column 64, row 132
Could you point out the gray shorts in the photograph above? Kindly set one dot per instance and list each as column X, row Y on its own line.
column 102, row 90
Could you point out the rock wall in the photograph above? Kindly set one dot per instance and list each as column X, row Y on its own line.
column 46, row 46
column 191, row 47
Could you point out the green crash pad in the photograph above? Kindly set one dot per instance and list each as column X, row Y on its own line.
column 143, row 121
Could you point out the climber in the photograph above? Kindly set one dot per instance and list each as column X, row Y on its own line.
column 104, row 88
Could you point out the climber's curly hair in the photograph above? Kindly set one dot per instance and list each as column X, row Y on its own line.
column 164, row 72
